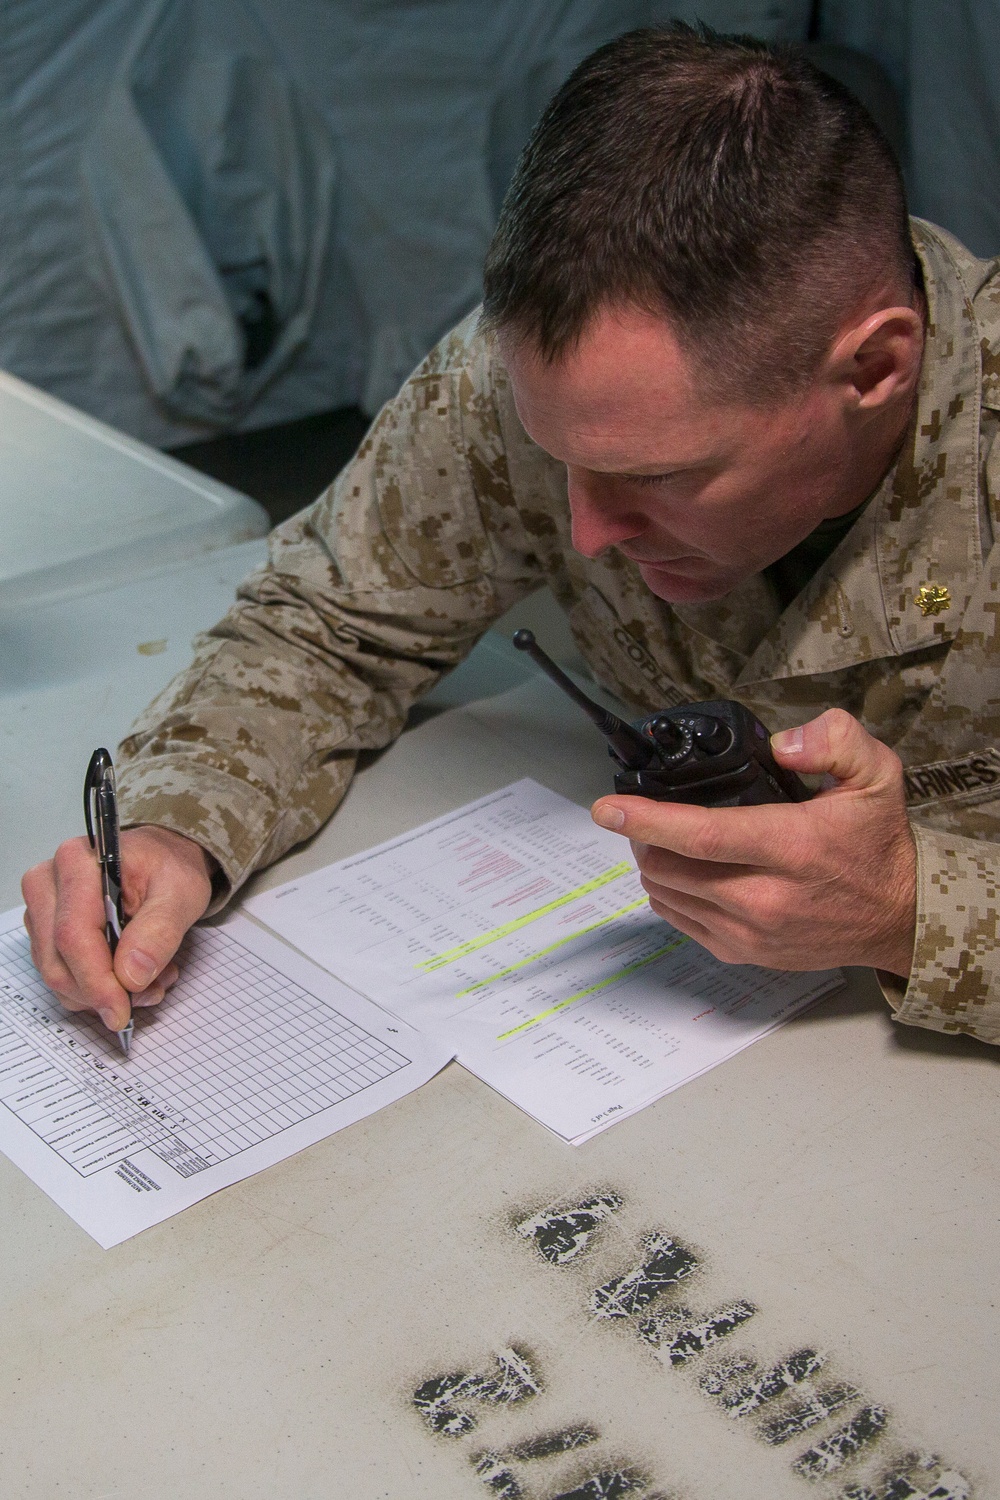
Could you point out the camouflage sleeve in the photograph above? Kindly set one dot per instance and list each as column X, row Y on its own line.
column 954, row 984
column 368, row 597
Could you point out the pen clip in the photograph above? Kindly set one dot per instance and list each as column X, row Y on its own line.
column 99, row 772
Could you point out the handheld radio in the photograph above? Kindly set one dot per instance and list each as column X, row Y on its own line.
column 715, row 754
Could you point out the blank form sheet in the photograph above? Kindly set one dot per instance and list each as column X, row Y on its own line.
column 254, row 1054
column 517, row 933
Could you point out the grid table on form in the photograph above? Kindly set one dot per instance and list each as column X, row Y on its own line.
column 238, row 1053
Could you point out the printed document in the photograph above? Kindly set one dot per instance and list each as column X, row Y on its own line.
column 254, row 1054
column 515, row 932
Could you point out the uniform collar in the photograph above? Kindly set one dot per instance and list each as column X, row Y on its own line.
column 921, row 528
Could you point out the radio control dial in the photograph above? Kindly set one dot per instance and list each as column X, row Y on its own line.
column 673, row 737
column 713, row 736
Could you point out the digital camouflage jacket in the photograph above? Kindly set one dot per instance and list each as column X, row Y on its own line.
column 449, row 514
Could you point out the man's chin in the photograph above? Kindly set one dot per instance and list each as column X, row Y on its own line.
column 679, row 587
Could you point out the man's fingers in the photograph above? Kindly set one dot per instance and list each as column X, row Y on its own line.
column 78, row 937
column 683, row 921
column 157, row 990
column 39, row 891
column 665, row 873
column 835, row 744
column 690, row 908
column 727, row 835
column 94, row 984
column 169, row 885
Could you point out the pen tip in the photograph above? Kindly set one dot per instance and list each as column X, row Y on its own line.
column 125, row 1039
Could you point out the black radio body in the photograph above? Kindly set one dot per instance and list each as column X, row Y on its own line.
column 713, row 754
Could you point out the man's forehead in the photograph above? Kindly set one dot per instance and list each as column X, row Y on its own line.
column 624, row 397
column 620, row 354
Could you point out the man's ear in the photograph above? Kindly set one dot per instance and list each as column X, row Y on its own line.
column 877, row 360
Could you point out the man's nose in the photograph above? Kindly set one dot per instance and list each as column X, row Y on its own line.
column 601, row 517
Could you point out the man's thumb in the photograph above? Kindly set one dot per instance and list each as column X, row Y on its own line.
column 148, row 943
column 835, row 745
column 171, row 874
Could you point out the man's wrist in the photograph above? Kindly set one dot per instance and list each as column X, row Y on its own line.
column 895, row 955
column 184, row 845
column 899, row 964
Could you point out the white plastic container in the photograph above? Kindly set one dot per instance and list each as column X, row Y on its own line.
column 81, row 505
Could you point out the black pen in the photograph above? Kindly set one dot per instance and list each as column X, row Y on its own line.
column 100, row 806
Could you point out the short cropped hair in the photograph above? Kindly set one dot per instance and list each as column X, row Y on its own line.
column 726, row 185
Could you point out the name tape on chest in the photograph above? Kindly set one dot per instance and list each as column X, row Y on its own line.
column 628, row 660
column 967, row 779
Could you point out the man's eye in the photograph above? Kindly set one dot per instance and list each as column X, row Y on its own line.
column 649, row 478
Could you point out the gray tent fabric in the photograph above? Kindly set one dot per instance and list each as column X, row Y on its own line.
column 219, row 214
column 944, row 58
column 135, row 135
column 430, row 104
column 209, row 186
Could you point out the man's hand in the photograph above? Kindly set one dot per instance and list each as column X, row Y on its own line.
column 167, row 885
column 807, row 885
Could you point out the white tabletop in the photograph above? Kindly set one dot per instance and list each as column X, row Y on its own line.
column 266, row 1344
column 839, row 1176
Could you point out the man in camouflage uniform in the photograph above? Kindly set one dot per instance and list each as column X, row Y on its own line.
column 867, row 583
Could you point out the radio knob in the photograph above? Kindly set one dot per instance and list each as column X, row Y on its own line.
column 713, row 736
column 672, row 737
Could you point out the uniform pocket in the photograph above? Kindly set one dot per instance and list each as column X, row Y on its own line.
column 426, row 499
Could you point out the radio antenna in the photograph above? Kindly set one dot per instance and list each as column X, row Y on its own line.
column 630, row 748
